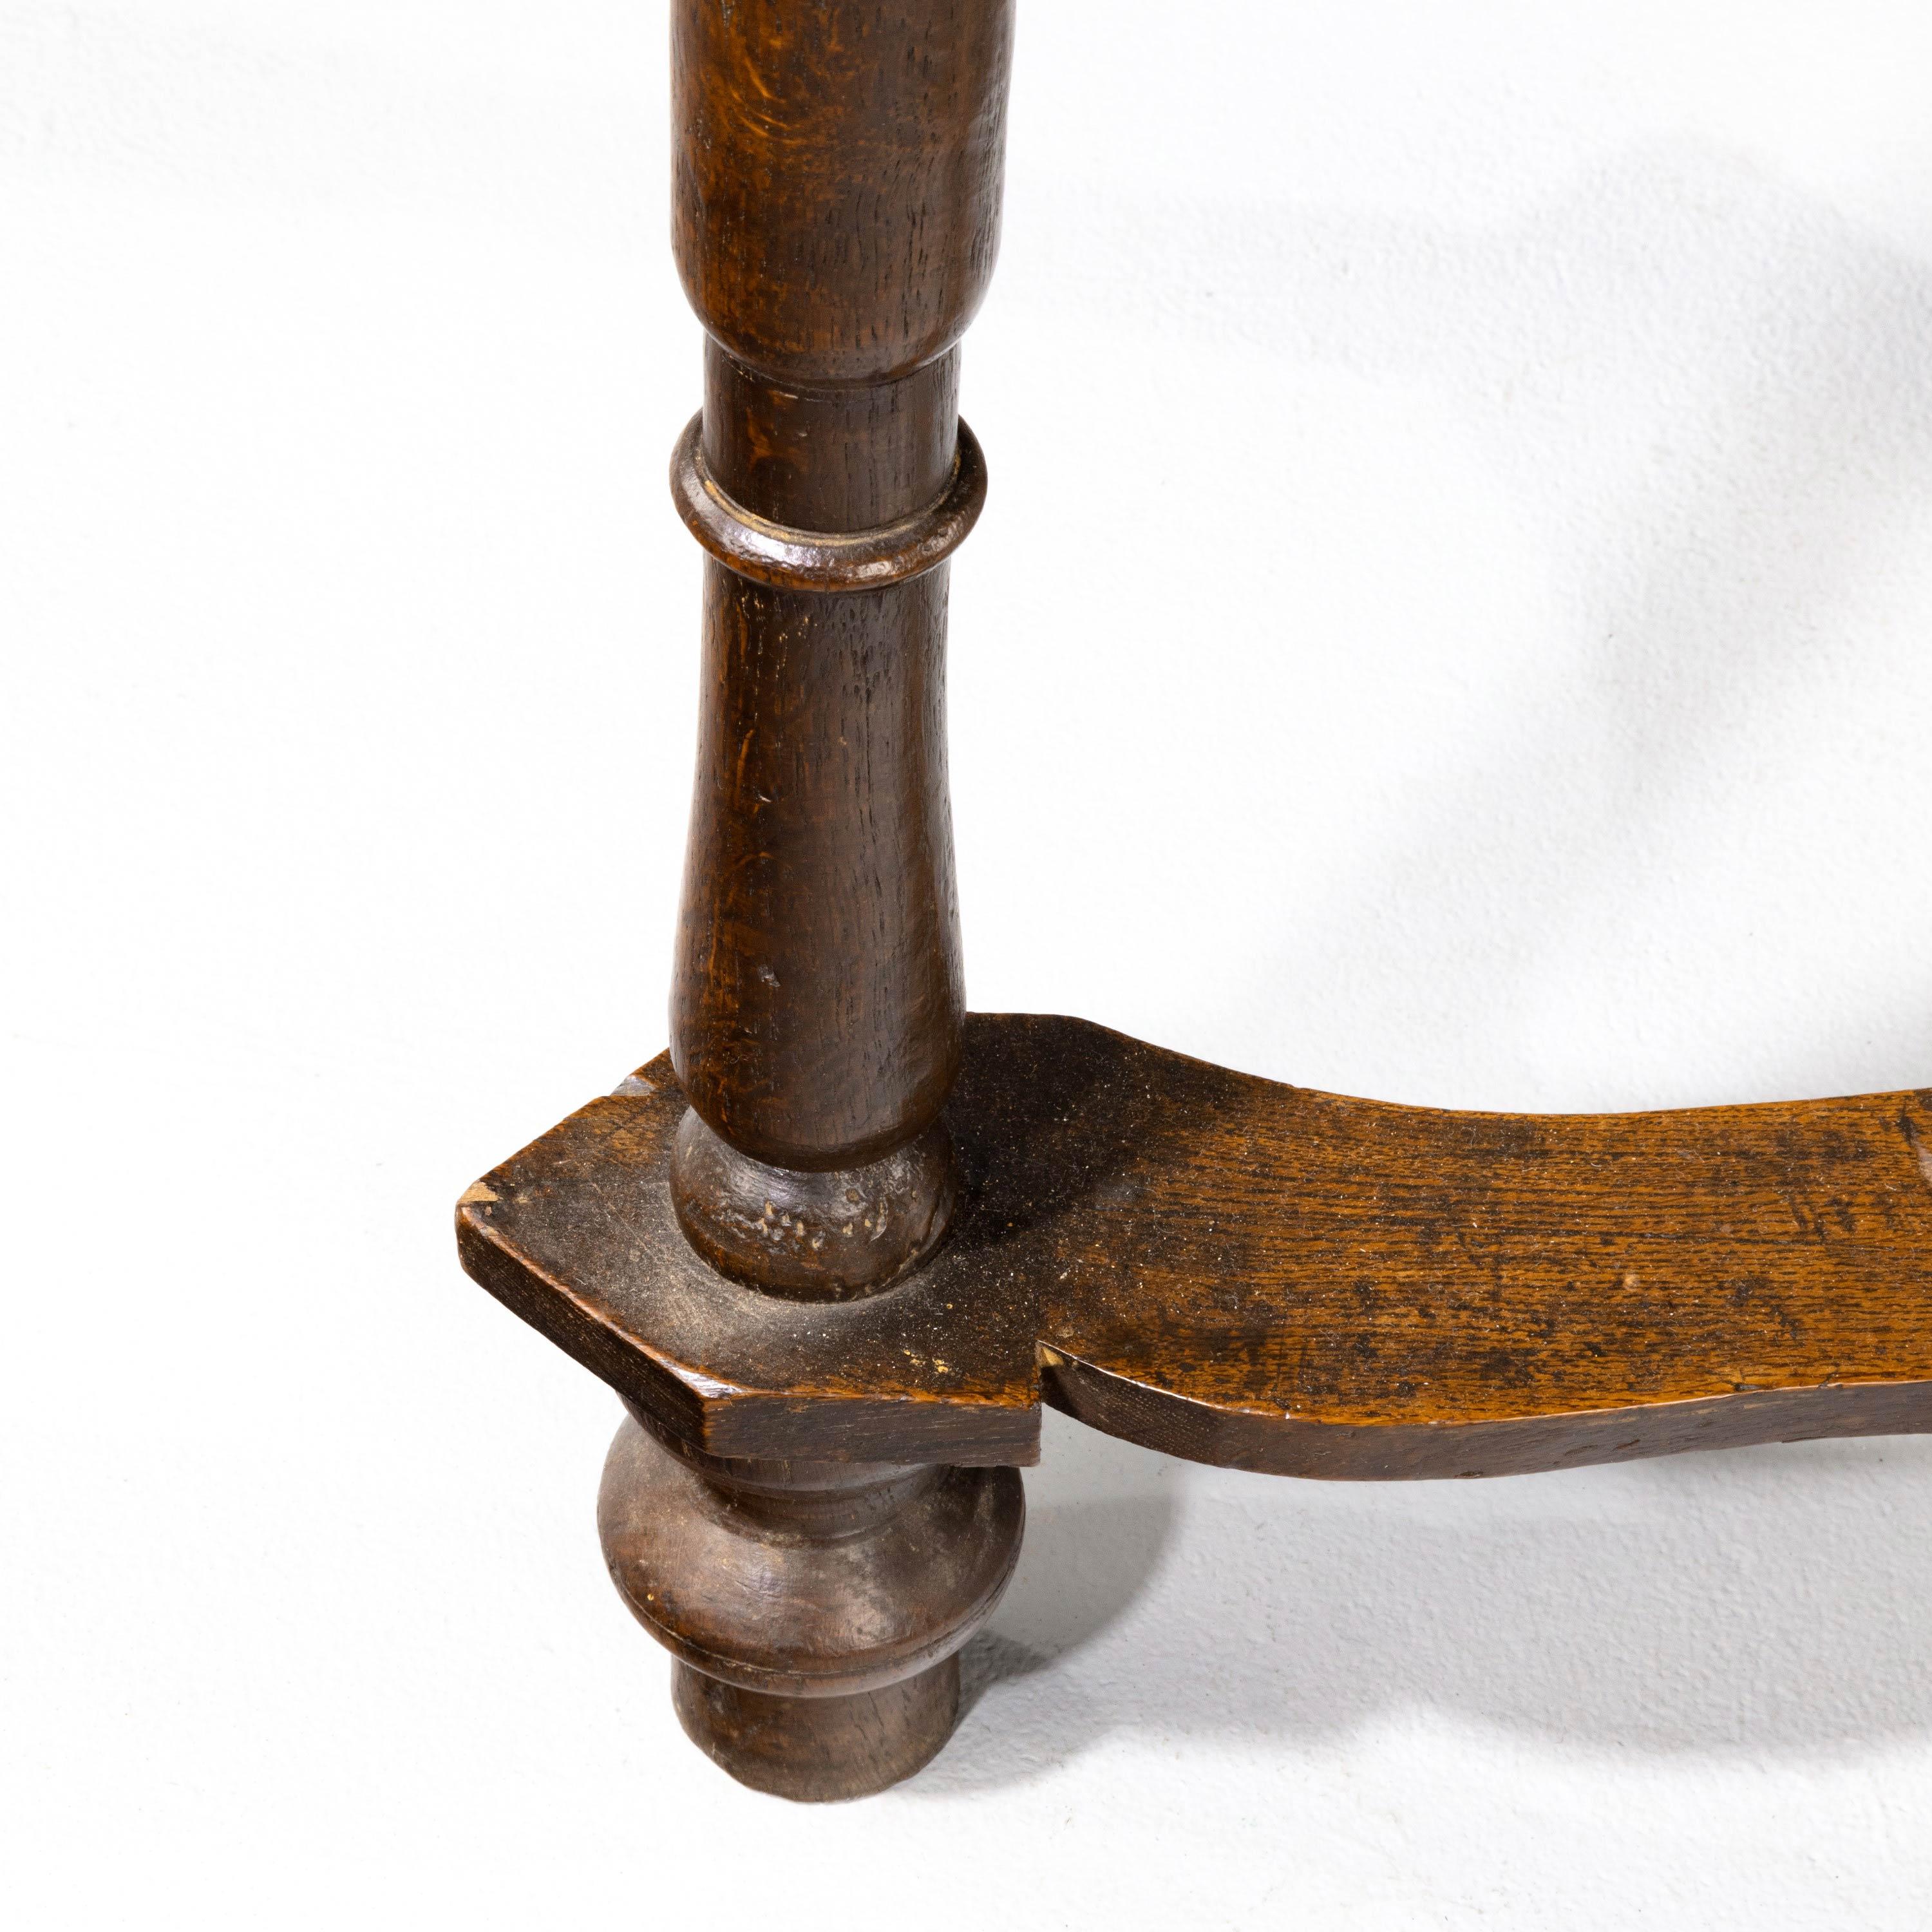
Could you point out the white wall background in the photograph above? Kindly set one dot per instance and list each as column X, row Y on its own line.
column 1560, row 740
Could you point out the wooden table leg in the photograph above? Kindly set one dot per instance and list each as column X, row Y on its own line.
column 836, row 1248
column 837, row 207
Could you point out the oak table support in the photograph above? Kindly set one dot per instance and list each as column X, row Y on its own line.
column 836, row 1247
column 836, row 212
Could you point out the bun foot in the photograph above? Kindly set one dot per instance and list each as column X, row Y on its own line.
column 816, row 1609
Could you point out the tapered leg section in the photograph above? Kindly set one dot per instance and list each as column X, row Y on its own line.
column 816, row 1609
column 817, row 1749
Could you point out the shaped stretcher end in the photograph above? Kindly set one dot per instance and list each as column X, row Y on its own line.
column 1242, row 1272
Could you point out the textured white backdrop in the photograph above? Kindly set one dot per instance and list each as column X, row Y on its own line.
column 1487, row 664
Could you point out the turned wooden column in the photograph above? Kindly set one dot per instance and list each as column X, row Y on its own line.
column 836, row 212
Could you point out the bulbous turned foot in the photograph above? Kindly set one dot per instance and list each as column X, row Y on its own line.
column 816, row 1609
column 825, row 1237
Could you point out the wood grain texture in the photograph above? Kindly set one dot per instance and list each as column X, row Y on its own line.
column 819, row 990
column 1243, row 1272
column 838, row 173
column 1291, row 1281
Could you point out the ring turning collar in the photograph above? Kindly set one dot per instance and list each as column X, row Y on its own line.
column 795, row 560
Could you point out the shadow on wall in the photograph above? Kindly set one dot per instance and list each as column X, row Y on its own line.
column 1706, row 397
column 1744, row 1602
